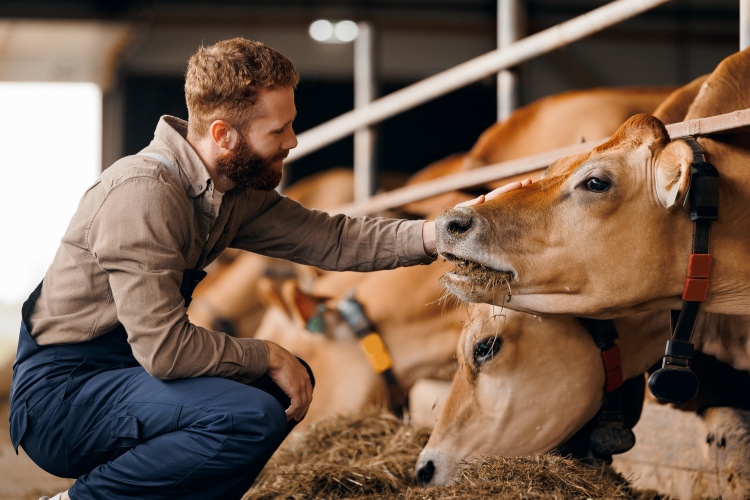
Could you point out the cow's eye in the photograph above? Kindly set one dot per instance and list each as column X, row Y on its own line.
column 597, row 185
column 485, row 349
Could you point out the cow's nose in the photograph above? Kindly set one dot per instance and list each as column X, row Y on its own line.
column 425, row 473
column 458, row 222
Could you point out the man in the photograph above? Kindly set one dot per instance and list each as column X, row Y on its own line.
column 112, row 384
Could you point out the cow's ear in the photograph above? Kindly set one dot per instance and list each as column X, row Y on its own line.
column 672, row 173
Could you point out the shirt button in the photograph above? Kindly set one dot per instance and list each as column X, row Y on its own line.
column 200, row 186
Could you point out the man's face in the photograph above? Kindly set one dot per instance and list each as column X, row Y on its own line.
column 257, row 159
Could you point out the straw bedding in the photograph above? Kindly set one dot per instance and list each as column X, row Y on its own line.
column 372, row 456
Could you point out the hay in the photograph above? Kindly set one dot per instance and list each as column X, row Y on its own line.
column 372, row 456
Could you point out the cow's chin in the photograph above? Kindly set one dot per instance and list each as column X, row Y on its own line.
column 473, row 282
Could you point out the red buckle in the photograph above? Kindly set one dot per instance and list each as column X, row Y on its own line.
column 612, row 368
column 696, row 283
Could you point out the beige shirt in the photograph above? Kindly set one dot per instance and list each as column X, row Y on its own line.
column 138, row 228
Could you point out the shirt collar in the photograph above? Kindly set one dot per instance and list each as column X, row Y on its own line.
column 171, row 134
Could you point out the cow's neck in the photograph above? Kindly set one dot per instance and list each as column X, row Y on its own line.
column 729, row 290
column 642, row 339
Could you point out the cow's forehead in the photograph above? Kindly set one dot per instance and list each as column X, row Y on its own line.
column 566, row 165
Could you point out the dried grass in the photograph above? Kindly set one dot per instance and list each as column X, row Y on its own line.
column 372, row 456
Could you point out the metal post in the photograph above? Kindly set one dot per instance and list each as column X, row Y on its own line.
column 468, row 72
column 744, row 24
column 364, row 93
column 507, row 81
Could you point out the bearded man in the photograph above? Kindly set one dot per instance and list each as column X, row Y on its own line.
column 112, row 384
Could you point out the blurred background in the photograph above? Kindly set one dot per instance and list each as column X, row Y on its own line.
column 83, row 82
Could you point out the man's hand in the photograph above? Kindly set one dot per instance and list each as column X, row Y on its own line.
column 292, row 378
column 482, row 198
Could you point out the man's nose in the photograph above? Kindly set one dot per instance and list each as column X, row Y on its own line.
column 290, row 142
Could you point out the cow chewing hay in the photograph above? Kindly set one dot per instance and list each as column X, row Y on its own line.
column 372, row 456
column 481, row 277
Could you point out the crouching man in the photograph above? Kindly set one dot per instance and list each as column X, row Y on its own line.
column 112, row 384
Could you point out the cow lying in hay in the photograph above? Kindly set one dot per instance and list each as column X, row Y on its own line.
column 417, row 337
column 527, row 385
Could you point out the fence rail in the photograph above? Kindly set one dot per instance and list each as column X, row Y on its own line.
column 470, row 72
column 736, row 120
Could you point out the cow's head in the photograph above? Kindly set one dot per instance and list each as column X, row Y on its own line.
column 524, row 386
column 602, row 233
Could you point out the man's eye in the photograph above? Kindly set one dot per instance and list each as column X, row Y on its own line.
column 485, row 349
column 597, row 185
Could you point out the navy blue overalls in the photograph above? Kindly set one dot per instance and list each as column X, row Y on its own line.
column 90, row 411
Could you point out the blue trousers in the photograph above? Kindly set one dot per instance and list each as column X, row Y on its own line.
column 90, row 411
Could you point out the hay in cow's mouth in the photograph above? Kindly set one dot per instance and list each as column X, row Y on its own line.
column 372, row 456
column 481, row 276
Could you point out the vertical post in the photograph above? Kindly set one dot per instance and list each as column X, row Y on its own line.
column 507, row 81
column 744, row 24
column 364, row 93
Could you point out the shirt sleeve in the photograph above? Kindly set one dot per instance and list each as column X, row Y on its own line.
column 283, row 228
column 137, row 238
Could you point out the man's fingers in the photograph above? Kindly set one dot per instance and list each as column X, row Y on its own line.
column 506, row 188
column 300, row 401
column 482, row 198
column 476, row 201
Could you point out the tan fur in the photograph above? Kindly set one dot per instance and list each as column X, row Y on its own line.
column 608, row 254
column 550, row 367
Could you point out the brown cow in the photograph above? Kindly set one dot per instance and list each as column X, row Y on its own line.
column 418, row 332
column 228, row 300
column 604, row 233
column 525, row 385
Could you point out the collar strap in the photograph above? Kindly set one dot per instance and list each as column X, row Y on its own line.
column 674, row 382
column 609, row 434
column 604, row 334
column 375, row 349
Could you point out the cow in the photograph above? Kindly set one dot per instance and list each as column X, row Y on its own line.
column 228, row 301
column 525, row 385
column 605, row 233
column 419, row 334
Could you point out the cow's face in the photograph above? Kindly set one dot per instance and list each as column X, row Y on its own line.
column 601, row 233
column 524, row 386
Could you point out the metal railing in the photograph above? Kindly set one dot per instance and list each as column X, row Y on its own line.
column 469, row 72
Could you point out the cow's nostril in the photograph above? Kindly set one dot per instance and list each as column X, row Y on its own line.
column 425, row 473
column 459, row 224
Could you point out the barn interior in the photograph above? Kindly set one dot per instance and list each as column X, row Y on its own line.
column 133, row 53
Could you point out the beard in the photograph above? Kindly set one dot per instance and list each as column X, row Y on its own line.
column 247, row 168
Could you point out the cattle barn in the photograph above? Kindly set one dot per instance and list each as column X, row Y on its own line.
column 461, row 378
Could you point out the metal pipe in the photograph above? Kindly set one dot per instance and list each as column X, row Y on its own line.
column 744, row 24
column 507, row 81
column 733, row 121
column 364, row 93
column 470, row 71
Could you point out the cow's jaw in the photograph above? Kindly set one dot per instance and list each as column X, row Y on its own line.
column 474, row 282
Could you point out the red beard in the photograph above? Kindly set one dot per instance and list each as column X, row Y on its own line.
column 249, row 169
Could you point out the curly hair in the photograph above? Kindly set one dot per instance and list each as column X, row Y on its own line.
column 224, row 80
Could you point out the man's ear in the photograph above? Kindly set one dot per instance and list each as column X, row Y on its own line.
column 223, row 134
column 672, row 173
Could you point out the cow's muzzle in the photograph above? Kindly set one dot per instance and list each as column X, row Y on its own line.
column 459, row 227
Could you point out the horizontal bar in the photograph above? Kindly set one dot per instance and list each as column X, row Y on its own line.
column 469, row 72
column 499, row 171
